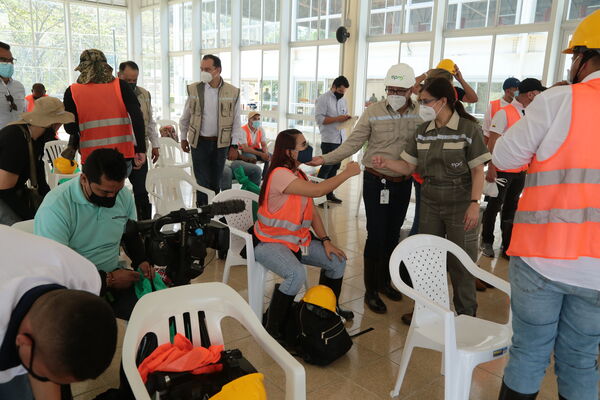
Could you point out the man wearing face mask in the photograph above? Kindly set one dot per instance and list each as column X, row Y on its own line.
column 510, row 86
column 555, row 257
column 210, row 124
column 255, row 145
column 35, row 128
column 386, row 126
column 129, row 72
column 331, row 110
column 514, row 179
column 12, row 93
column 89, row 214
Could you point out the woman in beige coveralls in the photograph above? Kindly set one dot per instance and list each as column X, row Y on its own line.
column 449, row 152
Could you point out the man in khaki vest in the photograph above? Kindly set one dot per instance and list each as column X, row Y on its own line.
column 129, row 72
column 210, row 123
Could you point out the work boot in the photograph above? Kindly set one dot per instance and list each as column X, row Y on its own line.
column 332, row 198
column 507, row 393
column 336, row 286
column 487, row 250
column 372, row 299
column 277, row 313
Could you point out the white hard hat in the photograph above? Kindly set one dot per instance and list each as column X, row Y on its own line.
column 400, row 75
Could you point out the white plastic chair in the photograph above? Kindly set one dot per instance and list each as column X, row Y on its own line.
column 25, row 226
column 239, row 237
column 153, row 311
column 171, row 154
column 165, row 186
column 465, row 341
column 52, row 150
column 168, row 122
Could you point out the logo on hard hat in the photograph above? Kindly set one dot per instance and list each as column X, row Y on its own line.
column 400, row 77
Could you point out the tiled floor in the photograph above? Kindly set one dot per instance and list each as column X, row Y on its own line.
column 369, row 370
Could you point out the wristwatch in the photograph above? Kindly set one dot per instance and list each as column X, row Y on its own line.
column 325, row 238
column 474, row 201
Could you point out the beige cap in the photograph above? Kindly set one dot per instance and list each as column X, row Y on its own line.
column 48, row 111
column 252, row 114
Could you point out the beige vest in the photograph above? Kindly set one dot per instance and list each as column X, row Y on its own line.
column 144, row 98
column 228, row 97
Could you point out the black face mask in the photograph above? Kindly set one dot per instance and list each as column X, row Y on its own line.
column 338, row 95
column 305, row 155
column 29, row 368
column 107, row 202
column 132, row 85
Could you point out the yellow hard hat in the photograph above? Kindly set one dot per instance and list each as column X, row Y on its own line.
column 447, row 64
column 249, row 387
column 321, row 296
column 64, row 166
column 587, row 33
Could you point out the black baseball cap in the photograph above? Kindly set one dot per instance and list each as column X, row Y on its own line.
column 530, row 84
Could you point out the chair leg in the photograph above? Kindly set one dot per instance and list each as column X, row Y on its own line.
column 256, row 287
column 227, row 269
column 406, row 353
column 463, row 387
column 442, row 369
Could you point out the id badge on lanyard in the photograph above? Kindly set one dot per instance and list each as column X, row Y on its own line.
column 384, row 194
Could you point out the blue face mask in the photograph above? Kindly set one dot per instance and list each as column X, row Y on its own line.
column 516, row 93
column 256, row 124
column 305, row 155
column 7, row 70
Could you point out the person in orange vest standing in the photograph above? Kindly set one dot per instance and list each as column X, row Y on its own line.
column 510, row 86
column 37, row 91
column 511, row 182
column 555, row 255
column 255, row 143
column 107, row 113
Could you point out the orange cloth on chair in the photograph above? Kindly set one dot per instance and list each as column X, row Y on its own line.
column 182, row 356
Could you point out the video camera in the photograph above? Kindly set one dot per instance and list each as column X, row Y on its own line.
column 183, row 251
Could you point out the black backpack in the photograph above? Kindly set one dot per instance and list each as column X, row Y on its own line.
column 318, row 335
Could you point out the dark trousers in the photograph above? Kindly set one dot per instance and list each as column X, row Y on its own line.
column 328, row 171
column 506, row 202
column 383, row 227
column 208, row 162
column 137, row 177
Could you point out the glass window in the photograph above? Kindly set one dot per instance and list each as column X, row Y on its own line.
column 472, row 55
column 256, row 16
column 180, row 26
column 225, row 23
column 271, row 22
column 388, row 16
column 250, row 79
column 209, row 24
column 270, row 81
column 481, row 13
column 180, row 75
column 226, row 65
column 416, row 54
column 582, row 8
column 113, row 35
column 303, row 69
column 150, row 74
column 317, row 19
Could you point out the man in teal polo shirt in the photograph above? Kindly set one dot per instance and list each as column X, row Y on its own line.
column 89, row 215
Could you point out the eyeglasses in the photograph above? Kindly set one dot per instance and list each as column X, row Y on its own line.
column 11, row 100
column 8, row 60
column 399, row 92
column 424, row 102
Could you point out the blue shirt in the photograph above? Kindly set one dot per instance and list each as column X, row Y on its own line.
column 67, row 217
column 328, row 105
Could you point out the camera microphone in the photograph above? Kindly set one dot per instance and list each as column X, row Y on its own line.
column 224, row 207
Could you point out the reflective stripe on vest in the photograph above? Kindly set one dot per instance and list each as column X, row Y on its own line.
column 495, row 106
column 559, row 212
column 290, row 225
column 103, row 118
column 257, row 142
column 512, row 116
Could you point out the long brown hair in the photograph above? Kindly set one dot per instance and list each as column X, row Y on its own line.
column 286, row 140
column 439, row 88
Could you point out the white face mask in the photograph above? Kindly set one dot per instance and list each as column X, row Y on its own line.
column 427, row 113
column 205, row 77
column 396, row 102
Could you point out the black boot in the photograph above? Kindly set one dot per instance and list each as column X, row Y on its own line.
column 372, row 299
column 507, row 393
column 386, row 288
column 336, row 286
column 278, row 310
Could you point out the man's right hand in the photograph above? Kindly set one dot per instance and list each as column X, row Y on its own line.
column 343, row 118
column 352, row 168
column 124, row 278
column 491, row 174
column 316, row 161
column 185, row 146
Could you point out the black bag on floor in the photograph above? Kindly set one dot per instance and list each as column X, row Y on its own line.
column 317, row 334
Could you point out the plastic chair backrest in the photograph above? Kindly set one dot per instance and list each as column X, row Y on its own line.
column 171, row 154
column 168, row 122
column 52, row 149
column 242, row 221
column 25, row 226
column 170, row 187
column 217, row 300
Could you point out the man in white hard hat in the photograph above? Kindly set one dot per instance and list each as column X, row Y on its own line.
column 387, row 126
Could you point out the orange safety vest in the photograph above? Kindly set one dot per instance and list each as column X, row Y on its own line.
column 291, row 224
column 30, row 102
column 495, row 106
column 558, row 214
column 103, row 118
column 512, row 116
column 257, row 142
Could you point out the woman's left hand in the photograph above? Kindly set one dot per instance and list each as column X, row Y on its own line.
column 331, row 249
column 471, row 216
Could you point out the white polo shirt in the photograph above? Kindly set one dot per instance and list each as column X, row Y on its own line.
column 29, row 261
column 500, row 120
column 541, row 132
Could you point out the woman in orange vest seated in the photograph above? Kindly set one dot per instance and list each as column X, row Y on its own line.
column 285, row 217
column 255, row 145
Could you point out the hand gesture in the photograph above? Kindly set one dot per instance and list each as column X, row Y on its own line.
column 379, row 162
column 457, row 74
column 124, row 278
column 185, row 146
column 316, row 161
column 352, row 168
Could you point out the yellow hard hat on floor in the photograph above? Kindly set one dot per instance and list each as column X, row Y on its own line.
column 587, row 33
column 321, row 296
column 447, row 64
column 248, row 387
column 64, row 166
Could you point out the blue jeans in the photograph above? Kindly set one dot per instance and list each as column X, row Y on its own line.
column 278, row 258
column 252, row 171
column 265, row 166
column 547, row 316
column 208, row 162
column 17, row 388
